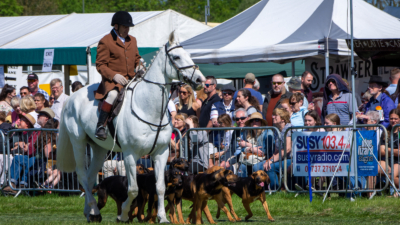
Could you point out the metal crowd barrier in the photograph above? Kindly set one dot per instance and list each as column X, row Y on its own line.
column 3, row 163
column 115, row 165
column 299, row 184
column 392, row 156
column 38, row 171
column 199, row 150
column 33, row 166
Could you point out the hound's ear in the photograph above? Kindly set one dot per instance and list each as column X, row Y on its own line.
column 254, row 175
column 171, row 38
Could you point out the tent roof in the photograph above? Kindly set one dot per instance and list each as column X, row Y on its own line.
column 282, row 30
column 16, row 27
column 154, row 32
column 71, row 34
column 74, row 30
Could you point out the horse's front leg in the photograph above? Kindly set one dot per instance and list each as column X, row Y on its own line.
column 160, row 161
column 133, row 189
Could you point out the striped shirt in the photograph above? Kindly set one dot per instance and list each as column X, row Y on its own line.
column 342, row 106
column 46, row 96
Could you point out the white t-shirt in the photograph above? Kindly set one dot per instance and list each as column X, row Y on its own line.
column 171, row 106
column 35, row 115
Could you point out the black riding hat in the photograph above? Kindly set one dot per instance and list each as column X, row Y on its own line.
column 378, row 80
column 122, row 18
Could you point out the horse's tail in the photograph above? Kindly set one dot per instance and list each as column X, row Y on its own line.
column 65, row 150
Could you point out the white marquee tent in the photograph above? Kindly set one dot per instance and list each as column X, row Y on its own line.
column 286, row 30
column 74, row 38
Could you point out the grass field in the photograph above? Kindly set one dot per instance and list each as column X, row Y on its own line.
column 285, row 209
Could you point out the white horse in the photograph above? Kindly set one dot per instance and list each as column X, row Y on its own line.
column 142, row 107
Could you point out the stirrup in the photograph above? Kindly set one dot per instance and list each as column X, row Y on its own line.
column 101, row 137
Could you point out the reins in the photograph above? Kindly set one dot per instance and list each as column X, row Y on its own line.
column 163, row 86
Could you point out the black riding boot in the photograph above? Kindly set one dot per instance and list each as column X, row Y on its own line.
column 101, row 133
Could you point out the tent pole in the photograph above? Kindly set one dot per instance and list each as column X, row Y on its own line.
column 88, row 64
column 66, row 80
column 326, row 57
column 353, row 91
column 293, row 69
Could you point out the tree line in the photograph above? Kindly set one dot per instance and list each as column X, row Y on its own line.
column 221, row 10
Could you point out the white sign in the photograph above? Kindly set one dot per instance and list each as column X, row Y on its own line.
column 363, row 68
column 326, row 149
column 2, row 83
column 48, row 60
column 16, row 73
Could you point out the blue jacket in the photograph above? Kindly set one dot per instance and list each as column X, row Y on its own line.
column 221, row 108
column 387, row 105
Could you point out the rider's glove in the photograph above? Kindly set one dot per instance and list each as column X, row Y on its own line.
column 119, row 79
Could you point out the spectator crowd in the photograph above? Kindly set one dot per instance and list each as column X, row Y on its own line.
column 30, row 150
column 250, row 148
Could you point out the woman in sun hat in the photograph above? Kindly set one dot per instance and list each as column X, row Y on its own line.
column 260, row 144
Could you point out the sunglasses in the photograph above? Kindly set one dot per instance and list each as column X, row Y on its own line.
column 292, row 103
column 255, row 120
column 52, row 98
column 227, row 93
column 24, row 93
column 183, row 92
column 331, row 81
column 277, row 83
column 241, row 118
column 208, row 85
column 31, row 81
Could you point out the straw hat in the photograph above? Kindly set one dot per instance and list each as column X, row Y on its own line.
column 256, row 115
column 30, row 118
column 49, row 112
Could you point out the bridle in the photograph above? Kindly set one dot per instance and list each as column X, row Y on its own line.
column 163, row 85
column 177, row 68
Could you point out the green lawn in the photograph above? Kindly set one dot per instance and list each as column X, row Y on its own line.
column 285, row 209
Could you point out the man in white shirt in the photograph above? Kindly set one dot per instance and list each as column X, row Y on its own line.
column 59, row 97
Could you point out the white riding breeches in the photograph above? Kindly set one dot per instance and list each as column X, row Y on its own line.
column 111, row 96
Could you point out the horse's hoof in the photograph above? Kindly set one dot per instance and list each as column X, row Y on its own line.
column 163, row 221
column 95, row 218
column 120, row 221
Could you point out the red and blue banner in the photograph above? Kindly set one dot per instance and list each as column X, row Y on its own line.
column 325, row 151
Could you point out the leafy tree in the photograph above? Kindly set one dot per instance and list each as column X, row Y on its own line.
column 10, row 8
column 39, row 7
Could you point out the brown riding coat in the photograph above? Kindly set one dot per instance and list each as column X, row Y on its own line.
column 115, row 57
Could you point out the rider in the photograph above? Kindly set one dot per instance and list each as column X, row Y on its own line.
column 117, row 58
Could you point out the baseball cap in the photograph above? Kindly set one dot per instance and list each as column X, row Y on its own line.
column 48, row 112
column 294, row 83
column 32, row 76
column 250, row 77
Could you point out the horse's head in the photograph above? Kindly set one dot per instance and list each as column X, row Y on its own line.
column 181, row 62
